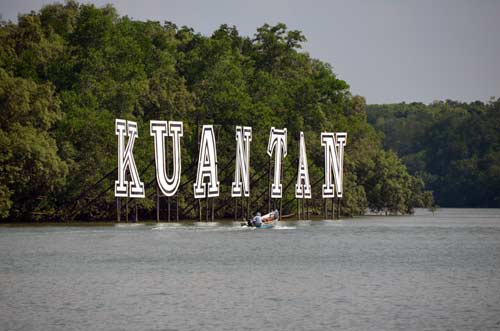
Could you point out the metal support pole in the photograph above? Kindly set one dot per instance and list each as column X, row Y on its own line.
column 213, row 211
column 126, row 204
column 177, row 207
column 281, row 208
column 118, row 210
column 213, row 199
column 136, row 212
column 338, row 209
column 168, row 198
column 206, row 209
column 248, row 208
column 157, row 204
column 168, row 209
column 282, row 193
column 235, row 209
column 242, row 206
column 199, row 209
column 269, row 185
column 333, row 208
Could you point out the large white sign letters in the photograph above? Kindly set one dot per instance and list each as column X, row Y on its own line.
column 124, row 188
column 333, row 144
column 206, row 184
column 303, row 186
column 207, row 166
column 241, row 182
column 161, row 130
column 277, row 142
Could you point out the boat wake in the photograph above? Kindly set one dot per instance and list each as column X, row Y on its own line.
column 284, row 227
column 212, row 226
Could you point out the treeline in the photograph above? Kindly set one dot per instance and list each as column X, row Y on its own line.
column 70, row 69
column 454, row 147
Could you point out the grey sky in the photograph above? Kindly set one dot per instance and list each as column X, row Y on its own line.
column 388, row 51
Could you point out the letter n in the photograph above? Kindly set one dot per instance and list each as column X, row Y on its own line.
column 242, row 168
column 333, row 144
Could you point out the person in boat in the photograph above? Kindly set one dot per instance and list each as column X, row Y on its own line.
column 257, row 220
column 276, row 214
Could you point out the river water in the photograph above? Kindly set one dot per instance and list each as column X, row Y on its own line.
column 420, row 272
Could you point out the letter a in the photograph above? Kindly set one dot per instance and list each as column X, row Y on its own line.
column 207, row 165
column 124, row 188
column 334, row 144
column 303, row 186
column 242, row 171
column 160, row 130
column 277, row 141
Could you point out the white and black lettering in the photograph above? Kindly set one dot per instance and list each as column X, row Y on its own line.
column 124, row 188
column 161, row 130
column 241, row 184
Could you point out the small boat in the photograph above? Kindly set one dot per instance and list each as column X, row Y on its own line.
column 269, row 221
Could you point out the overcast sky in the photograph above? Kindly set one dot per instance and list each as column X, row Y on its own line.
column 387, row 51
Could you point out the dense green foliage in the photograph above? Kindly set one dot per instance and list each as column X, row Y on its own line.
column 454, row 147
column 69, row 70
